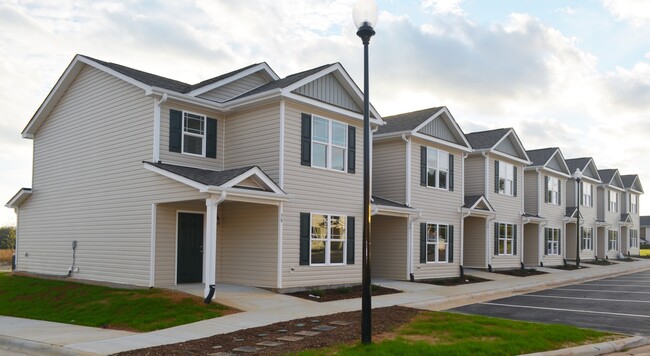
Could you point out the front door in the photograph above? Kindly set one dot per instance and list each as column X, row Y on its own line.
column 190, row 248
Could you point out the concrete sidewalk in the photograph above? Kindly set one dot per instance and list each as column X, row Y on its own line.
column 39, row 337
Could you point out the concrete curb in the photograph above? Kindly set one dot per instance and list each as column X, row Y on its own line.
column 598, row 349
column 30, row 347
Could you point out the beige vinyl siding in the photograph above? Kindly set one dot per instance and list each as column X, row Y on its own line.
column 247, row 244
column 553, row 213
column 253, row 138
column 182, row 159
column 475, row 175
column 389, row 247
column 624, row 239
column 235, row 88
column 602, row 205
column 601, row 248
column 389, row 169
column 474, row 243
column 570, row 193
column 437, row 206
column 531, row 192
column 90, row 185
column 316, row 190
column 532, row 244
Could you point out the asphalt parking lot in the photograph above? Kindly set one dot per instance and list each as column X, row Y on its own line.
column 617, row 304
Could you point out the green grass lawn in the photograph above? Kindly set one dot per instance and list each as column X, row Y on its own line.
column 90, row 305
column 439, row 333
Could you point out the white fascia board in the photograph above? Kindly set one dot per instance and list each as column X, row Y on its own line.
column 441, row 142
column 209, row 104
column 251, row 195
column 395, row 211
column 505, row 155
column 252, row 99
column 19, row 198
column 451, row 119
column 521, row 146
column 487, row 203
column 553, row 171
column 329, row 107
column 635, row 191
column 389, row 135
column 176, row 177
column 260, row 67
column 480, row 213
column 257, row 173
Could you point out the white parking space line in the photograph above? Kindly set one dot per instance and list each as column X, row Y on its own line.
column 612, row 284
column 581, row 298
column 567, row 310
column 597, row 290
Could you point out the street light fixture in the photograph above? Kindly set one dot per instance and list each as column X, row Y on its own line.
column 577, row 175
column 365, row 14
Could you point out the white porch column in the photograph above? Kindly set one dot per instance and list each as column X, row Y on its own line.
column 210, row 248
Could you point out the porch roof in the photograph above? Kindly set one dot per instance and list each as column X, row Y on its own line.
column 385, row 206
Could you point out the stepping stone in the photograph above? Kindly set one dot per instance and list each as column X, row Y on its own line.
column 340, row 322
column 248, row 349
column 300, row 325
column 290, row 338
column 261, row 335
column 307, row 333
column 283, row 330
column 270, row 343
column 216, row 347
column 221, row 354
column 323, row 328
column 315, row 321
column 237, row 340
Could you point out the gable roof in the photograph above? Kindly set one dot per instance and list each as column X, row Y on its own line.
column 586, row 165
column 434, row 124
column 284, row 82
column 477, row 202
column 611, row 178
column 19, row 198
column 493, row 140
column 632, row 182
column 549, row 158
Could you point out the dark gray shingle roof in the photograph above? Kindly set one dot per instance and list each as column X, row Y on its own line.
column 470, row 200
column 628, row 180
column 540, row 156
column 625, row 217
column 570, row 211
column 407, row 121
column 387, row 202
column 203, row 176
column 606, row 174
column 284, row 82
column 575, row 163
column 486, row 139
column 645, row 220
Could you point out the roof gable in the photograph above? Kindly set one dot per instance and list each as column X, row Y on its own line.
column 586, row 165
column 478, row 202
column 611, row 178
column 632, row 182
column 329, row 89
column 504, row 141
column 550, row 158
column 260, row 72
column 236, row 87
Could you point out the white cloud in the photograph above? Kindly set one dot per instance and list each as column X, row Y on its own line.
column 636, row 12
column 444, row 6
column 566, row 10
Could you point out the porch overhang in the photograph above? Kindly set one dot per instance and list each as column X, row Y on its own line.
column 533, row 219
column 477, row 206
column 19, row 198
column 386, row 207
column 600, row 223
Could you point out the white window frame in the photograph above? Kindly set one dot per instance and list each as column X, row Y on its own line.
column 612, row 240
column 587, row 235
column 184, row 133
column 506, row 178
column 552, row 241
column 553, row 190
column 329, row 145
column 328, row 239
column 507, row 239
column 634, row 203
column 634, row 238
column 441, row 157
column 613, row 202
column 586, row 194
column 436, row 242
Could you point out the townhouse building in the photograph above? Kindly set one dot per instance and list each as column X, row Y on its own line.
column 590, row 223
column 610, row 193
column 630, row 214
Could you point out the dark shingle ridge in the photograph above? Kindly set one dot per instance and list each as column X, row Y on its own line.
column 574, row 163
column 223, row 76
column 407, row 121
column 486, row 139
column 607, row 174
column 645, row 220
column 628, row 180
column 387, row 202
column 203, row 176
column 541, row 155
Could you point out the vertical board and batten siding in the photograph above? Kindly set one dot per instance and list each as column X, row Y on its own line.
column 328, row 89
column 389, row 247
column 438, row 128
column 475, row 175
column 184, row 159
column 389, row 169
column 474, row 243
column 531, row 192
column 235, row 88
column 253, row 139
column 318, row 190
column 507, row 146
column 247, row 244
column 532, row 245
column 90, row 185
column 437, row 206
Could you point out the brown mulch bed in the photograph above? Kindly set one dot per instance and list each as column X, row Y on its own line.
column 328, row 295
column 521, row 272
column 601, row 262
column 569, row 267
column 455, row 281
column 384, row 320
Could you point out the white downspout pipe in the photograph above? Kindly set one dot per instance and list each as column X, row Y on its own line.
column 463, row 215
column 408, row 169
column 210, row 250
column 156, row 126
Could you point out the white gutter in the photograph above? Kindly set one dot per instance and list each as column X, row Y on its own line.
column 463, row 214
column 409, row 243
column 184, row 98
column 246, row 193
column 487, row 174
column 408, row 169
column 281, row 150
column 152, row 249
column 280, row 244
column 156, row 126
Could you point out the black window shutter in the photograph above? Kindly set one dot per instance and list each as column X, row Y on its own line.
column 175, row 130
column 496, row 176
column 609, row 201
column 423, row 242
column 514, row 240
column 451, row 243
column 559, row 242
column 559, row 192
column 423, row 165
column 496, row 239
column 350, row 258
column 305, row 226
column 514, row 174
column 546, row 241
column 451, row 172
column 305, row 140
column 211, row 138
column 545, row 189
column 591, row 203
column 352, row 148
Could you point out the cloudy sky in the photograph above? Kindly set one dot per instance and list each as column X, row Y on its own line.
column 573, row 74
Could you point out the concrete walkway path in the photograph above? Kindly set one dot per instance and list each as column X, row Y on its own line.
column 263, row 308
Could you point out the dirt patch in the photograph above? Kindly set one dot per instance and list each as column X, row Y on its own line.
column 601, row 262
column 5, row 255
column 328, row 295
column 568, row 267
column 455, row 281
column 384, row 321
column 519, row 272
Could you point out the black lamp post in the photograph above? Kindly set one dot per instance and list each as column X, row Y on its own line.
column 578, row 176
column 364, row 14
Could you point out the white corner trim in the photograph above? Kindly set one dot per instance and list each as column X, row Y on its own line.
column 281, row 143
column 152, row 251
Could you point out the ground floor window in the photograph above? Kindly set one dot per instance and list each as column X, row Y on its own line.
column 612, row 240
column 587, row 241
column 634, row 238
column 437, row 242
column 506, row 235
column 552, row 237
column 328, row 239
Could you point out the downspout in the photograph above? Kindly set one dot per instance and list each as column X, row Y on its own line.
column 487, row 175
column 281, row 155
column 211, row 221
column 409, row 246
column 408, row 169
column 152, row 251
column 156, row 126
column 280, row 244
column 281, row 206
column 463, row 215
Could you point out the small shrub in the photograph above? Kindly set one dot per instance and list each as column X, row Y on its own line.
column 344, row 290
column 317, row 292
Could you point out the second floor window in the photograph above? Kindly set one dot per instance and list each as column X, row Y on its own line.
column 587, row 191
column 329, row 144
column 437, row 168
column 552, row 241
column 553, row 191
column 634, row 204
column 586, row 241
column 613, row 202
column 507, row 178
column 612, row 240
column 193, row 134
